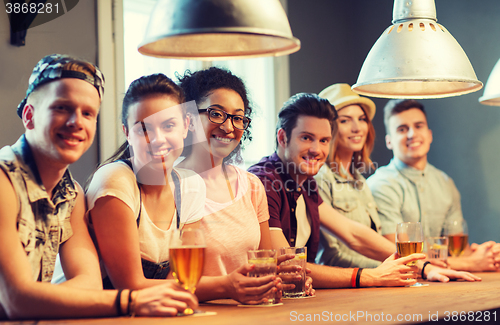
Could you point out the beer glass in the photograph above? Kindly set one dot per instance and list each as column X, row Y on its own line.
column 265, row 261
column 458, row 236
column 187, row 255
column 297, row 278
column 409, row 240
column 437, row 248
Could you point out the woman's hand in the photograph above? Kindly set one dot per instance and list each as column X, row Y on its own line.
column 164, row 300
column 435, row 273
column 393, row 272
column 249, row 290
column 287, row 272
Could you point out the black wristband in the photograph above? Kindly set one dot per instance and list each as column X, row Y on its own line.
column 129, row 312
column 423, row 268
column 118, row 303
column 358, row 276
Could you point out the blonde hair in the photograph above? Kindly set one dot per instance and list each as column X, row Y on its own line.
column 81, row 66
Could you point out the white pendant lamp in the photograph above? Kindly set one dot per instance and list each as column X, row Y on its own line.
column 491, row 95
column 218, row 30
column 416, row 58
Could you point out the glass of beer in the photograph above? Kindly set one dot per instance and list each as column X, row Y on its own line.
column 409, row 240
column 458, row 236
column 187, row 256
column 265, row 261
column 291, row 276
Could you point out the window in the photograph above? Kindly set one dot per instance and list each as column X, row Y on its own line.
column 265, row 78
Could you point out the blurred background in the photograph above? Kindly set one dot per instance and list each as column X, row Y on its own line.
column 335, row 35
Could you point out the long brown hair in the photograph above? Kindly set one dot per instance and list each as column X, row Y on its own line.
column 145, row 87
column 360, row 158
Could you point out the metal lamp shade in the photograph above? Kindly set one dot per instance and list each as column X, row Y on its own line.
column 491, row 94
column 416, row 58
column 218, row 29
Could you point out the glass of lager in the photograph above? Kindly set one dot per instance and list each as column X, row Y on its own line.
column 458, row 236
column 187, row 256
column 410, row 240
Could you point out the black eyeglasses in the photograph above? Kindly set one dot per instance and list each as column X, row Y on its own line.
column 218, row 116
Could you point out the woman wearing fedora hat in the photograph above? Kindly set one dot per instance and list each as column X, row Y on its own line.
column 340, row 181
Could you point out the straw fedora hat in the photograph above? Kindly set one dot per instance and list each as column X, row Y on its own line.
column 340, row 95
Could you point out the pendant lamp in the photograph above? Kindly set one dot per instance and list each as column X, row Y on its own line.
column 416, row 58
column 218, row 30
column 491, row 95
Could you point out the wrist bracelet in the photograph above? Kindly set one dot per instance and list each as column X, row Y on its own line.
column 118, row 303
column 131, row 304
column 353, row 277
column 423, row 268
column 358, row 277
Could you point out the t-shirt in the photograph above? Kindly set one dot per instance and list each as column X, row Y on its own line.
column 118, row 180
column 233, row 228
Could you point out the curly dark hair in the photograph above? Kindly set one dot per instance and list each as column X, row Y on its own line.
column 198, row 85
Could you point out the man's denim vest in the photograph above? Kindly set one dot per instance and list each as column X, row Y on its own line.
column 42, row 223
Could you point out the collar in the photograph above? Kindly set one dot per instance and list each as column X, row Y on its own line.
column 411, row 173
column 29, row 171
column 356, row 182
column 357, row 175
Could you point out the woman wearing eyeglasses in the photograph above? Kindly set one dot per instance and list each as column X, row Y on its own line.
column 236, row 213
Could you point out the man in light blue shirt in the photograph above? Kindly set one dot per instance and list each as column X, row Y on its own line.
column 411, row 189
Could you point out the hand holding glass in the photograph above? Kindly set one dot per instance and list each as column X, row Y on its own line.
column 265, row 261
column 297, row 278
column 410, row 240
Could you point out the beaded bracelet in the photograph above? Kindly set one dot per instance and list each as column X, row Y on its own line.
column 423, row 268
column 353, row 277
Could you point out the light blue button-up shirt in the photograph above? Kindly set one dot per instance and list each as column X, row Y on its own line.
column 406, row 194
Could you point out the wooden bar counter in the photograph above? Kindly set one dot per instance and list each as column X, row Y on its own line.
column 448, row 302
